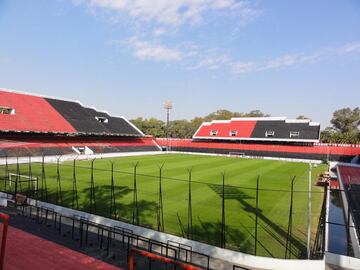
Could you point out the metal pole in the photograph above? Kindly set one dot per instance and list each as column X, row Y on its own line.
column 328, row 155
column 58, row 181
column 160, row 214
column 348, row 219
column 135, row 217
column 92, row 189
column 5, row 222
column 167, row 128
column 223, row 237
column 6, row 176
column 289, row 231
column 256, row 213
column 325, row 218
column 43, row 180
column 309, row 213
column 112, row 193
column 75, row 200
column 189, row 230
column 17, row 176
column 30, row 183
column 167, row 106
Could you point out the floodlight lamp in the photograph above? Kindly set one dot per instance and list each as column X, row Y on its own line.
column 168, row 105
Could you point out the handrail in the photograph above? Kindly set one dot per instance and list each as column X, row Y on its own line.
column 5, row 219
column 153, row 256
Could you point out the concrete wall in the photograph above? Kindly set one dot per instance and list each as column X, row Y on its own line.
column 342, row 261
column 53, row 159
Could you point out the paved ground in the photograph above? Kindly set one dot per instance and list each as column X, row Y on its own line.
column 27, row 251
column 32, row 244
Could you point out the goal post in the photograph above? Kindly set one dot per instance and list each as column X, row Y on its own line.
column 237, row 154
column 24, row 182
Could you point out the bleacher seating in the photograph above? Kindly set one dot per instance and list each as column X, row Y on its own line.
column 260, row 129
column 316, row 152
column 32, row 114
column 50, row 115
column 350, row 175
column 35, row 125
column 48, row 146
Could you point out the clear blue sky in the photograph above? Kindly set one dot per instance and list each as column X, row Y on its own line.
column 283, row 57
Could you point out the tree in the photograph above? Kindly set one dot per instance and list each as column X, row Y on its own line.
column 301, row 117
column 346, row 119
column 344, row 127
column 181, row 129
column 150, row 126
column 256, row 113
column 327, row 134
column 185, row 128
column 222, row 115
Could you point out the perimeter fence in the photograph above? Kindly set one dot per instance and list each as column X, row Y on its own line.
column 268, row 217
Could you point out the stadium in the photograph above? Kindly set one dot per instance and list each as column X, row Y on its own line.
column 244, row 193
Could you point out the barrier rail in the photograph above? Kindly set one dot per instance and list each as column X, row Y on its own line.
column 5, row 219
column 80, row 229
column 153, row 256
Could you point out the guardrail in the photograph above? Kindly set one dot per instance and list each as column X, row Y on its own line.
column 5, row 219
column 81, row 227
column 155, row 257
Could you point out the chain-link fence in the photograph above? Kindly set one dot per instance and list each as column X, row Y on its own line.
column 266, row 217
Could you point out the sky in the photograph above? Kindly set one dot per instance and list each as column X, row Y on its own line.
column 285, row 58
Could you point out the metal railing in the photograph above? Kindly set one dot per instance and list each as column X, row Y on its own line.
column 5, row 218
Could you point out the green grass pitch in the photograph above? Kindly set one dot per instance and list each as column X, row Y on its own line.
column 240, row 194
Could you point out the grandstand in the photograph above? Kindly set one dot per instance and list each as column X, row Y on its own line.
column 274, row 137
column 35, row 125
column 317, row 151
column 263, row 129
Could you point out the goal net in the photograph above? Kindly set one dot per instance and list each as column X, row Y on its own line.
column 238, row 154
column 25, row 183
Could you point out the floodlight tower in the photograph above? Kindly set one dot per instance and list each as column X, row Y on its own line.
column 167, row 106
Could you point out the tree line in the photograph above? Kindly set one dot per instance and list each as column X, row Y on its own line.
column 344, row 127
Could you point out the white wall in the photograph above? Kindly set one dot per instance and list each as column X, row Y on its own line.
column 53, row 159
column 342, row 261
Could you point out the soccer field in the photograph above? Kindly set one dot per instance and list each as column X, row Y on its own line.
column 240, row 176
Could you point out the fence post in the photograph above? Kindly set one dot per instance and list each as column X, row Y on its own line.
column 43, row 180
column 348, row 219
column 256, row 214
column 289, row 231
column 92, row 189
column 190, row 225
column 160, row 213
column 223, row 237
column 112, row 193
column 324, row 246
column 17, row 176
column 75, row 199
column 6, row 176
column 309, row 212
column 58, row 182
column 135, row 217
column 30, row 183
